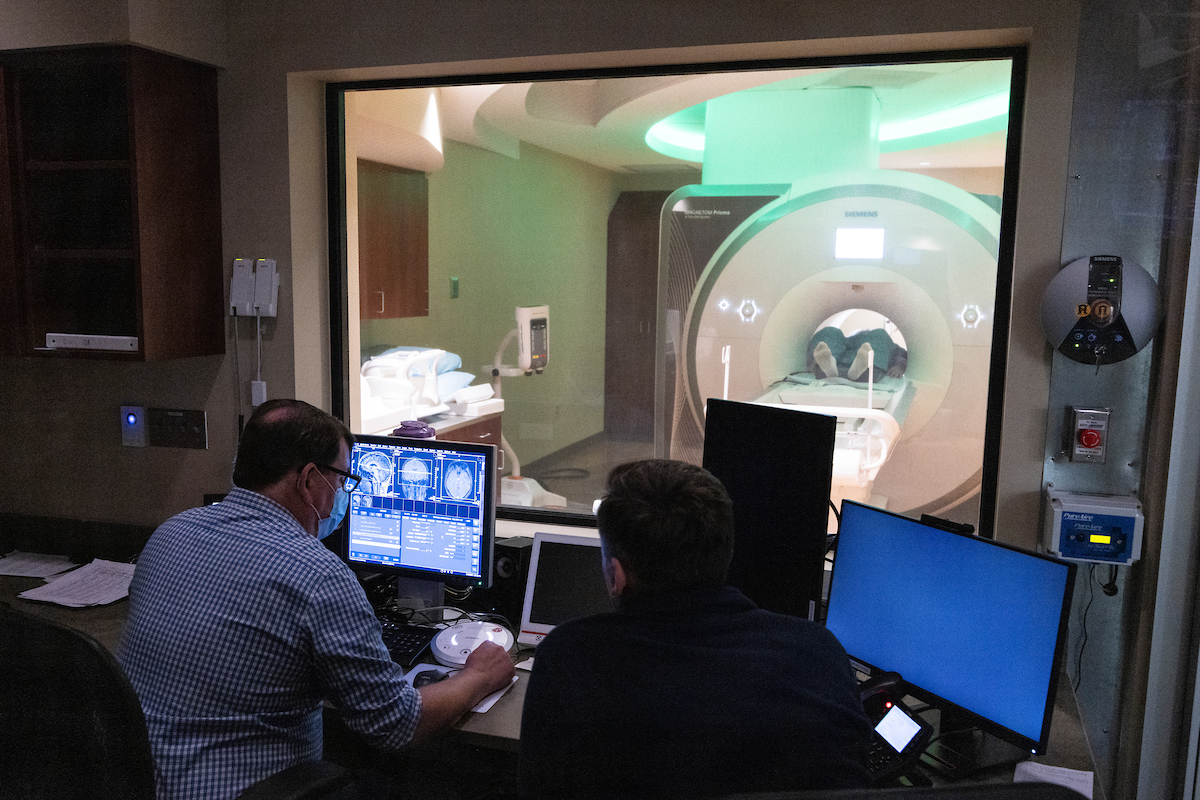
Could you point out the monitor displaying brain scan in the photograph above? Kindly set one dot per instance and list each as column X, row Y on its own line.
column 424, row 508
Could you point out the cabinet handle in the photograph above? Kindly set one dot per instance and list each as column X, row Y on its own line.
column 381, row 298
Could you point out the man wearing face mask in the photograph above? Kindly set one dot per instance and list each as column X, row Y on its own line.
column 241, row 622
column 687, row 689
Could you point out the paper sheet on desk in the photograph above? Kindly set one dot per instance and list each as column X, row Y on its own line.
column 95, row 584
column 489, row 701
column 1077, row 779
column 33, row 565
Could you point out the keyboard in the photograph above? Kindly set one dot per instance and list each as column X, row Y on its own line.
column 405, row 641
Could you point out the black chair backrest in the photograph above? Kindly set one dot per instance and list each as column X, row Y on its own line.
column 70, row 723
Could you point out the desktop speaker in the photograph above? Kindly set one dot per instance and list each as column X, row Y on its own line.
column 510, row 571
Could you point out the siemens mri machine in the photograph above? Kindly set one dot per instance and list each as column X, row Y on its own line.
column 749, row 273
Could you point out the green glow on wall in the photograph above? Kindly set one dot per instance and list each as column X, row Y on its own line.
column 683, row 134
column 991, row 107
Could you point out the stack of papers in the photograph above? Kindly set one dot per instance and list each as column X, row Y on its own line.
column 33, row 565
column 1077, row 779
column 95, row 584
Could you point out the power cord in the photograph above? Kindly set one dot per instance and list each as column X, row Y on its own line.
column 1109, row 589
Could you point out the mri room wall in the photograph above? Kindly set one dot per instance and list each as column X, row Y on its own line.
column 59, row 436
column 521, row 231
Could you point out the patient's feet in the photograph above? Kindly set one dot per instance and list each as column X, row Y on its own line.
column 825, row 360
column 859, row 365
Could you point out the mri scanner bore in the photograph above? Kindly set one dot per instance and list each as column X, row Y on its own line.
column 918, row 253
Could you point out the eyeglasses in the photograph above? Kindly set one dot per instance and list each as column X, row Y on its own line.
column 349, row 481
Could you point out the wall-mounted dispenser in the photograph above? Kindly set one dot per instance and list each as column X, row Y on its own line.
column 1100, row 310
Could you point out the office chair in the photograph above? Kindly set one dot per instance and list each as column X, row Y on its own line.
column 71, row 725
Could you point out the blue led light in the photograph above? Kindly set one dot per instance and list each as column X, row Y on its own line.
column 131, row 419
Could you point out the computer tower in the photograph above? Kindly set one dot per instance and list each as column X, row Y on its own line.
column 510, row 571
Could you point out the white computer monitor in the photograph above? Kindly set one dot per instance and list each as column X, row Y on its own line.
column 565, row 582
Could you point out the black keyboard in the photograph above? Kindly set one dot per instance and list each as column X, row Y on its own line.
column 405, row 642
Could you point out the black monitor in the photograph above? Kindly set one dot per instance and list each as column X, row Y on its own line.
column 777, row 465
column 425, row 509
column 975, row 627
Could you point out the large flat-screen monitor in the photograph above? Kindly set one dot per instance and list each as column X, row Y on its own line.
column 565, row 582
column 425, row 509
column 971, row 625
column 777, row 465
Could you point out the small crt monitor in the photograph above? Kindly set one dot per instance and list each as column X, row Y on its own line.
column 976, row 628
column 565, row 582
column 424, row 509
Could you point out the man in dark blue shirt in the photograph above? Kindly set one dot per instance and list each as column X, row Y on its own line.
column 687, row 688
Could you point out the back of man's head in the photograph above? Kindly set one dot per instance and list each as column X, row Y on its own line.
column 283, row 435
column 669, row 523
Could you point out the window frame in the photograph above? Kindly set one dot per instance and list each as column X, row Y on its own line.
column 335, row 132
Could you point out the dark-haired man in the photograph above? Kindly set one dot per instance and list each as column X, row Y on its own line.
column 241, row 622
column 687, row 689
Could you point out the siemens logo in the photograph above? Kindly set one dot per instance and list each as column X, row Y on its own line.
column 862, row 213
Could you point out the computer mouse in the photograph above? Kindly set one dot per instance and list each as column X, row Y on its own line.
column 429, row 676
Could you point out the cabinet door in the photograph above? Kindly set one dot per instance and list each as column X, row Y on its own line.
column 393, row 242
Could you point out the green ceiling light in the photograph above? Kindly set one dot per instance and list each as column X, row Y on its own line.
column 986, row 114
column 680, row 135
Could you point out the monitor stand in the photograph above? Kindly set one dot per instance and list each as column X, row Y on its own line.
column 419, row 593
column 960, row 750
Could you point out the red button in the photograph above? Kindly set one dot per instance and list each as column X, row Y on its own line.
column 1089, row 437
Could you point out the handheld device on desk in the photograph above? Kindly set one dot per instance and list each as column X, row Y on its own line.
column 900, row 734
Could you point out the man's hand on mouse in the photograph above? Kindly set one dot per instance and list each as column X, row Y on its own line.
column 492, row 664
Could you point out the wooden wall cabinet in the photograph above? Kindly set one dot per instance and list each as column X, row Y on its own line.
column 112, row 191
column 393, row 242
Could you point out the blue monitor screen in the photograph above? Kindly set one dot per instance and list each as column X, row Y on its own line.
column 424, row 508
column 962, row 619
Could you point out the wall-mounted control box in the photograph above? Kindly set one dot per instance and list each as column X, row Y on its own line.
column 1086, row 434
column 1104, row 529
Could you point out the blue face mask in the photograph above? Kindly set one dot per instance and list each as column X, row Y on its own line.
column 341, row 501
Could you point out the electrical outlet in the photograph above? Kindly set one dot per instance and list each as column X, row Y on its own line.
column 169, row 427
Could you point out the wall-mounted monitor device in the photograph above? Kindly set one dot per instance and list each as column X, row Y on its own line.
column 565, row 582
column 424, row 509
column 975, row 627
column 777, row 465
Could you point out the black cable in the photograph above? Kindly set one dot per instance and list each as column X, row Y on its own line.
column 1083, row 643
column 1111, row 587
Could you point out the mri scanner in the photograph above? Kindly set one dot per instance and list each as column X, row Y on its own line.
column 751, row 272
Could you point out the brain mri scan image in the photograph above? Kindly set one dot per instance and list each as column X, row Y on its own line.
column 416, row 479
column 460, row 480
column 376, row 471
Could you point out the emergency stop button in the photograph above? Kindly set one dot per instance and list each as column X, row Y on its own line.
column 1089, row 438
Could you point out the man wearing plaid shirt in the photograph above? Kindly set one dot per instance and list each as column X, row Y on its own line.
column 241, row 622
